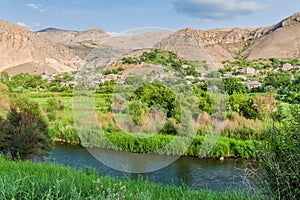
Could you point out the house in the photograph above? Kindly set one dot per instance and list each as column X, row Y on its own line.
column 241, row 77
column 190, row 77
column 227, row 75
column 286, row 67
column 248, row 71
column 48, row 77
column 252, row 84
column 235, row 67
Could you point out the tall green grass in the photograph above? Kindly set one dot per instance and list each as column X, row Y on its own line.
column 226, row 147
column 25, row 180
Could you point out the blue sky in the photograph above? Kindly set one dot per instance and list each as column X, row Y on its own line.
column 122, row 15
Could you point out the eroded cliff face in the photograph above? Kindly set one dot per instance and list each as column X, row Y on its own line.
column 20, row 47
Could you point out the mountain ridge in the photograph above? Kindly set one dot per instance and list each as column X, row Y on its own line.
column 56, row 50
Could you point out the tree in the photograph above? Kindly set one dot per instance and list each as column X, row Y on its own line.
column 243, row 105
column 54, row 104
column 138, row 111
column 232, row 85
column 4, row 77
column 278, row 79
column 4, row 105
column 107, row 87
column 157, row 94
column 291, row 93
column 24, row 133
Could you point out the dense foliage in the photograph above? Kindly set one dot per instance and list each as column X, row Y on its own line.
column 232, row 85
column 280, row 158
column 24, row 133
column 278, row 79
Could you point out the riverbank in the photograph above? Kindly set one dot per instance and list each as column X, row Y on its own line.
column 224, row 147
column 26, row 180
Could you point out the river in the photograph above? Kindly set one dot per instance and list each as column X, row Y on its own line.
column 194, row 172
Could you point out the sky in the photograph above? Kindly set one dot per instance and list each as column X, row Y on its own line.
column 117, row 16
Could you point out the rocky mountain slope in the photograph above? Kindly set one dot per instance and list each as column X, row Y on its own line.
column 213, row 45
column 91, row 37
column 23, row 51
column 99, row 46
column 281, row 41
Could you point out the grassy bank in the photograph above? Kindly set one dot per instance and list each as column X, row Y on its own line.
column 226, row 147
column 25, row 180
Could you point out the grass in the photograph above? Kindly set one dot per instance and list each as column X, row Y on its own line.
column 26, row 180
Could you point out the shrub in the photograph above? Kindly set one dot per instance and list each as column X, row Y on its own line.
column 25, row 131
column 279, row 157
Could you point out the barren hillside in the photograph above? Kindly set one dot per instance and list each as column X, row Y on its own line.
column 282, row 41
column 24, row 51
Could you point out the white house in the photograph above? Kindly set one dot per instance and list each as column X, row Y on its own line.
column 287, row 67
column 249, row 71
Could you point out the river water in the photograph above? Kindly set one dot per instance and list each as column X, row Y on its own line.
column 194, row 172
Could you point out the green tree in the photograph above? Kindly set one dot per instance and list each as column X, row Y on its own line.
column 134, row 80
column 275, row 62
column 4, row 77
column 204, row 99
column 54, row 104
column 4, row 96
column 232, row 85
column 243, row 105
column 137, row 111
column 278, row 79
column 24, row 133
column 26, row 81
column 291, row 93
column 107, row 87
column 157, row 94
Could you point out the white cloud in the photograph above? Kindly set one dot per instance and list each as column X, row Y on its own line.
column 37, row 7
column 217, row 9
column 23, row 24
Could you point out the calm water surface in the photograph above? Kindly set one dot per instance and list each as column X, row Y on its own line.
column 194, row 172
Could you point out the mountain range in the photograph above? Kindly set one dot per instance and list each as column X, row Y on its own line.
column 55, row 51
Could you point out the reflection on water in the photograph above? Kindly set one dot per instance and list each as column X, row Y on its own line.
column 193, row 172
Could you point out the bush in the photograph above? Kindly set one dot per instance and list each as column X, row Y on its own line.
column 280, row 158
column 25, row 131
